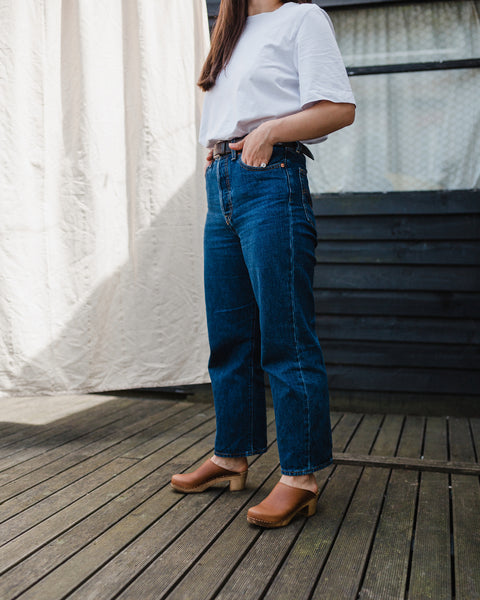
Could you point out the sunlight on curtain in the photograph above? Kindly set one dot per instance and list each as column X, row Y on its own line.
column 101, row 195
column 413, row 131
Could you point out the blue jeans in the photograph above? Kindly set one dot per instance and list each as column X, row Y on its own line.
column 259, row 244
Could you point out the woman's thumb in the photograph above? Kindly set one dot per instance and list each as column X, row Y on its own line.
column 236, row 145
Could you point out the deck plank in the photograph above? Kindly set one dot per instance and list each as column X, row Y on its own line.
column 342, row 574
column 465, row 513
column 88, row 513
column 94, row 494
column 61, row 432
column 63, row 497
column 29, row 488
column 123, row 418
column 387, row 570
column 303, row 565
column 137, row 506
column 430, row 577
column 207, row 576
column 168, row 562
column 160, row 510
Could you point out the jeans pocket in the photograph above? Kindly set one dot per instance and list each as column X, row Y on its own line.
column 275, row 163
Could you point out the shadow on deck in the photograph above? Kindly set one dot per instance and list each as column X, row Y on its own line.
column 87, row 511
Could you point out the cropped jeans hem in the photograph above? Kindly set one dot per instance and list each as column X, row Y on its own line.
column 240, row 454
column 308, row 471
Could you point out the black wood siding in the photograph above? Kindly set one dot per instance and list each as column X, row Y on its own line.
column 397, row 288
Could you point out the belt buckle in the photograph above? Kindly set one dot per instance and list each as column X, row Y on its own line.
column 220, row 149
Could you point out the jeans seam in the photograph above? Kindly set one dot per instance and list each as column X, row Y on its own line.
column 305, row 195
column 306, row 403
column 252, row 374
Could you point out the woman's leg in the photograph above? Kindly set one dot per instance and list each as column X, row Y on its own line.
column 276, row 227
column 233, row 329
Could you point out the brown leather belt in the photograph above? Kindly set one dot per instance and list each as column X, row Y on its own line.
column 222, row 148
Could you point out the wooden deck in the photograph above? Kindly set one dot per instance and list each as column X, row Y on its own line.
column 87, row 512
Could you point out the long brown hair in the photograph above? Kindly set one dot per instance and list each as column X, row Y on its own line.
column 229, row 25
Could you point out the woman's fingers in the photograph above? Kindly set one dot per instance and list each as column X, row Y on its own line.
column 209, row 160
column 256, row 151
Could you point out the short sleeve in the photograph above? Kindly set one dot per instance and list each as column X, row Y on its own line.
column 322, row 73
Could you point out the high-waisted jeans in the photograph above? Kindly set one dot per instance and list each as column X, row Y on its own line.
column 260, row 243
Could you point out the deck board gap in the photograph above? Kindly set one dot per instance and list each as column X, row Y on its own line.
column 452, row 537
column 377, row 433
column 472, row 437
column 449, row 450
column 354, row 432
column 412, row 543
column 424, row 435
column 400, row 435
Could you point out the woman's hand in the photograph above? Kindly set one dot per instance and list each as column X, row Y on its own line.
column 209, row 160
column 256, row 147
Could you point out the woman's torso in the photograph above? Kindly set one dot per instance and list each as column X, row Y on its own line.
column 264, row 80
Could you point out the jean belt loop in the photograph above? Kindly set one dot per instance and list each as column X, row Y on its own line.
column 234, row 154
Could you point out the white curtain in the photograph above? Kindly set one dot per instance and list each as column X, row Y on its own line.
column 413, row 131
column 101, row 195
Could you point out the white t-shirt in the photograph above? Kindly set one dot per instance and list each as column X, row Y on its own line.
column 284, row 61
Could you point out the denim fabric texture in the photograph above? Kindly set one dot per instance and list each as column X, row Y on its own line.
column 259, row 247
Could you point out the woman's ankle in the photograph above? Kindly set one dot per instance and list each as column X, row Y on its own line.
column 304, row 482
column 232, row 463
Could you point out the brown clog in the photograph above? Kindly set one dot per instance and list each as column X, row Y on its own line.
column 207, row 475
column 281, row 505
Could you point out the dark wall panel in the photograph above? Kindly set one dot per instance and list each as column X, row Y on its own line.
column 397, row 291
column 452, row 305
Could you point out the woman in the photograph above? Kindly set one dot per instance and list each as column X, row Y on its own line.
column 273, row 77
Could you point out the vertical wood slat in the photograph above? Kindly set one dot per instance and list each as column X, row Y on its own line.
column 387, row 570
column 343, row 570
column 430, row 577
column 465, row 513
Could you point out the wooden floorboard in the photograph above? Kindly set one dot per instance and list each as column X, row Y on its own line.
column 79, row 459
column 87, row 512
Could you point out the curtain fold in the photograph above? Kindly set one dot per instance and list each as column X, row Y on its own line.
column 101, row 195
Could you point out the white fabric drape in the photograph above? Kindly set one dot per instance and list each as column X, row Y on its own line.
column 413, row 131
column 101, row 195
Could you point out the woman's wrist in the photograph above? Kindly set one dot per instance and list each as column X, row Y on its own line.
column 270, row 129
